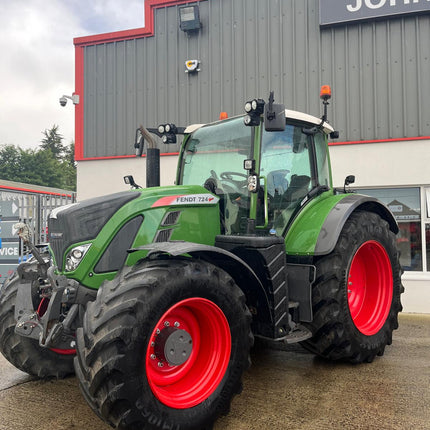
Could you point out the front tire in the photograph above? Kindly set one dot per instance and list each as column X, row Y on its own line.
column 356, row 295
column 164, row 346
column 25, row 353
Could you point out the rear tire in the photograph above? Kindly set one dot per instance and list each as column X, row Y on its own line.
column 25, row 353
column 356, row 295
column 164, row 346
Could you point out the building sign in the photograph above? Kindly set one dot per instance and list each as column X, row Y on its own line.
column 340, row 11
column 9, row 243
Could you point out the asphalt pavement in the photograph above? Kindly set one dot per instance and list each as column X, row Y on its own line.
column 284, row 389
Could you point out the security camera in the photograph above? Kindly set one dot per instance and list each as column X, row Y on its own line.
column 63, row 101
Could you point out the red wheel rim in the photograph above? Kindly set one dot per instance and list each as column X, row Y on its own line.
column 370, row 287
column 204, row 358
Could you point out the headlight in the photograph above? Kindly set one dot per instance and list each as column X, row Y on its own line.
column 252, row 183
column 75, row 256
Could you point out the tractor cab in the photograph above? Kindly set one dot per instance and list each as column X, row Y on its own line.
column 262, row 177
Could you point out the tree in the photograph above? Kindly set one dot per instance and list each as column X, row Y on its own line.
column 69, row 167
column 53, row 142
column 52, row 165
column 9, row 162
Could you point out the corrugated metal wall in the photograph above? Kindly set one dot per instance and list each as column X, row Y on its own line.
column 379, row 72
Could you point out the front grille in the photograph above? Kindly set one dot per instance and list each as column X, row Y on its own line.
column 83, row 221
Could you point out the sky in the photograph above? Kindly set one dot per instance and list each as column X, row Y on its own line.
column 37, row 64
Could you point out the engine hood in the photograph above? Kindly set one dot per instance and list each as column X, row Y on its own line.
column 114, row 223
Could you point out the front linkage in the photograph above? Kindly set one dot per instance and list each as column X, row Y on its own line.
column 48, row 307
column 52, row 320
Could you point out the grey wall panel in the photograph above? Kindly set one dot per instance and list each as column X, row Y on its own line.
column 378, row 71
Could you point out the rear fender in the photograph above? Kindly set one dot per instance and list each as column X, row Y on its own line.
column 337, row 217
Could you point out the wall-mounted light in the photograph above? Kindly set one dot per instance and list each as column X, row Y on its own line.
column 192, row 66
column 189, row 18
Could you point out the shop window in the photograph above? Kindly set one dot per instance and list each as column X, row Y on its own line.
column 404, row 203
column 428, row 245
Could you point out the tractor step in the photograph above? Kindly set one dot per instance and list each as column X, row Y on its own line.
column 299, row 334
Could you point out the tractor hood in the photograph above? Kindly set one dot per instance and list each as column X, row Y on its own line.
column 99, row 231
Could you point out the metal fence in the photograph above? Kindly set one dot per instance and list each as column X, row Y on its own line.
column 32, row 206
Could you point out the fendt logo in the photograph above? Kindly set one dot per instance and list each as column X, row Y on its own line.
column 341, row 11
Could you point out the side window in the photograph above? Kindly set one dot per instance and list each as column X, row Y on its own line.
column 285, row 171
column 323, row 160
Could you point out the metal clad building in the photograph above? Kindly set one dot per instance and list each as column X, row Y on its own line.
column 375, row 54
column 27, row 203
column 378, row 71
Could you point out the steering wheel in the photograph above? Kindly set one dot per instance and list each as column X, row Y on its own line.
column 231, row 185
column 228, row 175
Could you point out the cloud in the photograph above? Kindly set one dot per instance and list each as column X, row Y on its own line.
column 38, row 64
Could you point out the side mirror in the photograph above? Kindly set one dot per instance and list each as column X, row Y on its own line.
column 274, row 115
column 138, row 142
column 129, row 180
column 350, row 179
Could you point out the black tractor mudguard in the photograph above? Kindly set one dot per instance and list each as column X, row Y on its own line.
column 337, row 217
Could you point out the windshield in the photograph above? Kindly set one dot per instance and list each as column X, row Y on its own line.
column 213, row 157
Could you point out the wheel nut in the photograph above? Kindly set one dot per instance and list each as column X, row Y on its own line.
column 160, row 364
column 157, row 331
column 176, row 324
column 166, row 323
column 153, row 357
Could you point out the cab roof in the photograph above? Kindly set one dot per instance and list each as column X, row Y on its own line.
column 289, row 114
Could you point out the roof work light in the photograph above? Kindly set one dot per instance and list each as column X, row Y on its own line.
column 254, row 109
column 168, row 132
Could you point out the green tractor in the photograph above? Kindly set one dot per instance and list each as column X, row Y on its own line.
column 154, row 296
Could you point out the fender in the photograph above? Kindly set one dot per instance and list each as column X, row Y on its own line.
column 337, row 217
column 239, row 270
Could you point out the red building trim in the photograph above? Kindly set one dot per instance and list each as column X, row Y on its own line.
column 79, row 108
column 400, row 139
column 28, row 190
column 81, row 42
column 115, row 157
column 147, row 31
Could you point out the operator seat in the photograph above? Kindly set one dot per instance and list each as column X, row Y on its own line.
column 298, row 188
column 277, row 182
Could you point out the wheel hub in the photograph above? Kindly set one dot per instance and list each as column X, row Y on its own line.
column 173, row 345
column 370, row 287
column 188, row 353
